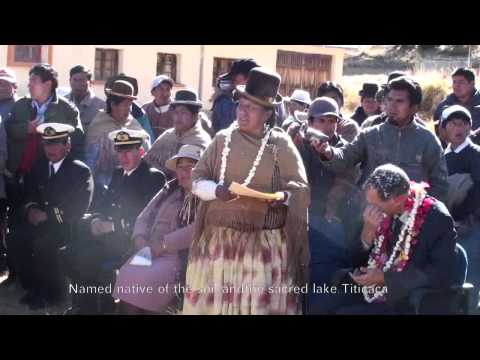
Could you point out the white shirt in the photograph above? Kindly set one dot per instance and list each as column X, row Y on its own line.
column 56, row 165
column 459, row 148
column 403, row 217
column 128, row 173
column 161, row 109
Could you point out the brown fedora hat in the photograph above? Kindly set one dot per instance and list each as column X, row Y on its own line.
column 123, row 89
column 262, row 87
column 131, row 80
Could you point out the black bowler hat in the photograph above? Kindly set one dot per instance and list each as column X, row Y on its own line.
column 186, row 97
column 262, row 87
column 369, row 90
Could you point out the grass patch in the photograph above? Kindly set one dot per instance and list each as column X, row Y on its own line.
column 435, row 87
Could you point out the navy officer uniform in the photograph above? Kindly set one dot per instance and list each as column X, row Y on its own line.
column 94, row 257
column 58, row 191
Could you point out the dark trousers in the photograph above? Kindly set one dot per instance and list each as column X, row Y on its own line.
column 15, row 223
column 471, row 243
column 33, row 251
column 328, row 253
column 49, row 277
column 3, row 231
column 92, row 261
column 20, row 255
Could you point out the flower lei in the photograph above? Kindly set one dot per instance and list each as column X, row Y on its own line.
column 418, row 205
column 226, row 151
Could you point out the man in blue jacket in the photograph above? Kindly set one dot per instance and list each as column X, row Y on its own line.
column 224, row 106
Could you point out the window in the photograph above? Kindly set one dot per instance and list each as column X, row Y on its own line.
column 167, row 64
column 28, row 55
column 302, row 71
column 220, row 66
column 106, row 63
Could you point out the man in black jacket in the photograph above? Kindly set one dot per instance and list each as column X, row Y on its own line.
column 103, row 239
column 388, row 263
column 58, row 191
column 333, row 200
column 463, row 163
column 368, row 103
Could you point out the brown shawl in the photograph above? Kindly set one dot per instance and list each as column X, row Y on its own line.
column 280, row 169
column 98, row 132
column 170, row 142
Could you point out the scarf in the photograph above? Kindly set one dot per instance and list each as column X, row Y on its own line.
column 41, row 109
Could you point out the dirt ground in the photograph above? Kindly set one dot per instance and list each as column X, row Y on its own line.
column 10, row 296
column 9, row 302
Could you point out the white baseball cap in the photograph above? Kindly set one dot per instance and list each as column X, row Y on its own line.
column 300, row 96
column 455, row 109
column 160, row 79
column 8, row 75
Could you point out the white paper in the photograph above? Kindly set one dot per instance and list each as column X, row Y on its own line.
column 143, row 257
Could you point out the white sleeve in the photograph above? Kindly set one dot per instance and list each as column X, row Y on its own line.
column 204, row 189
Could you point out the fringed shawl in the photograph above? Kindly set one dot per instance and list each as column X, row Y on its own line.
column 170, row 142
column 186, row 215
